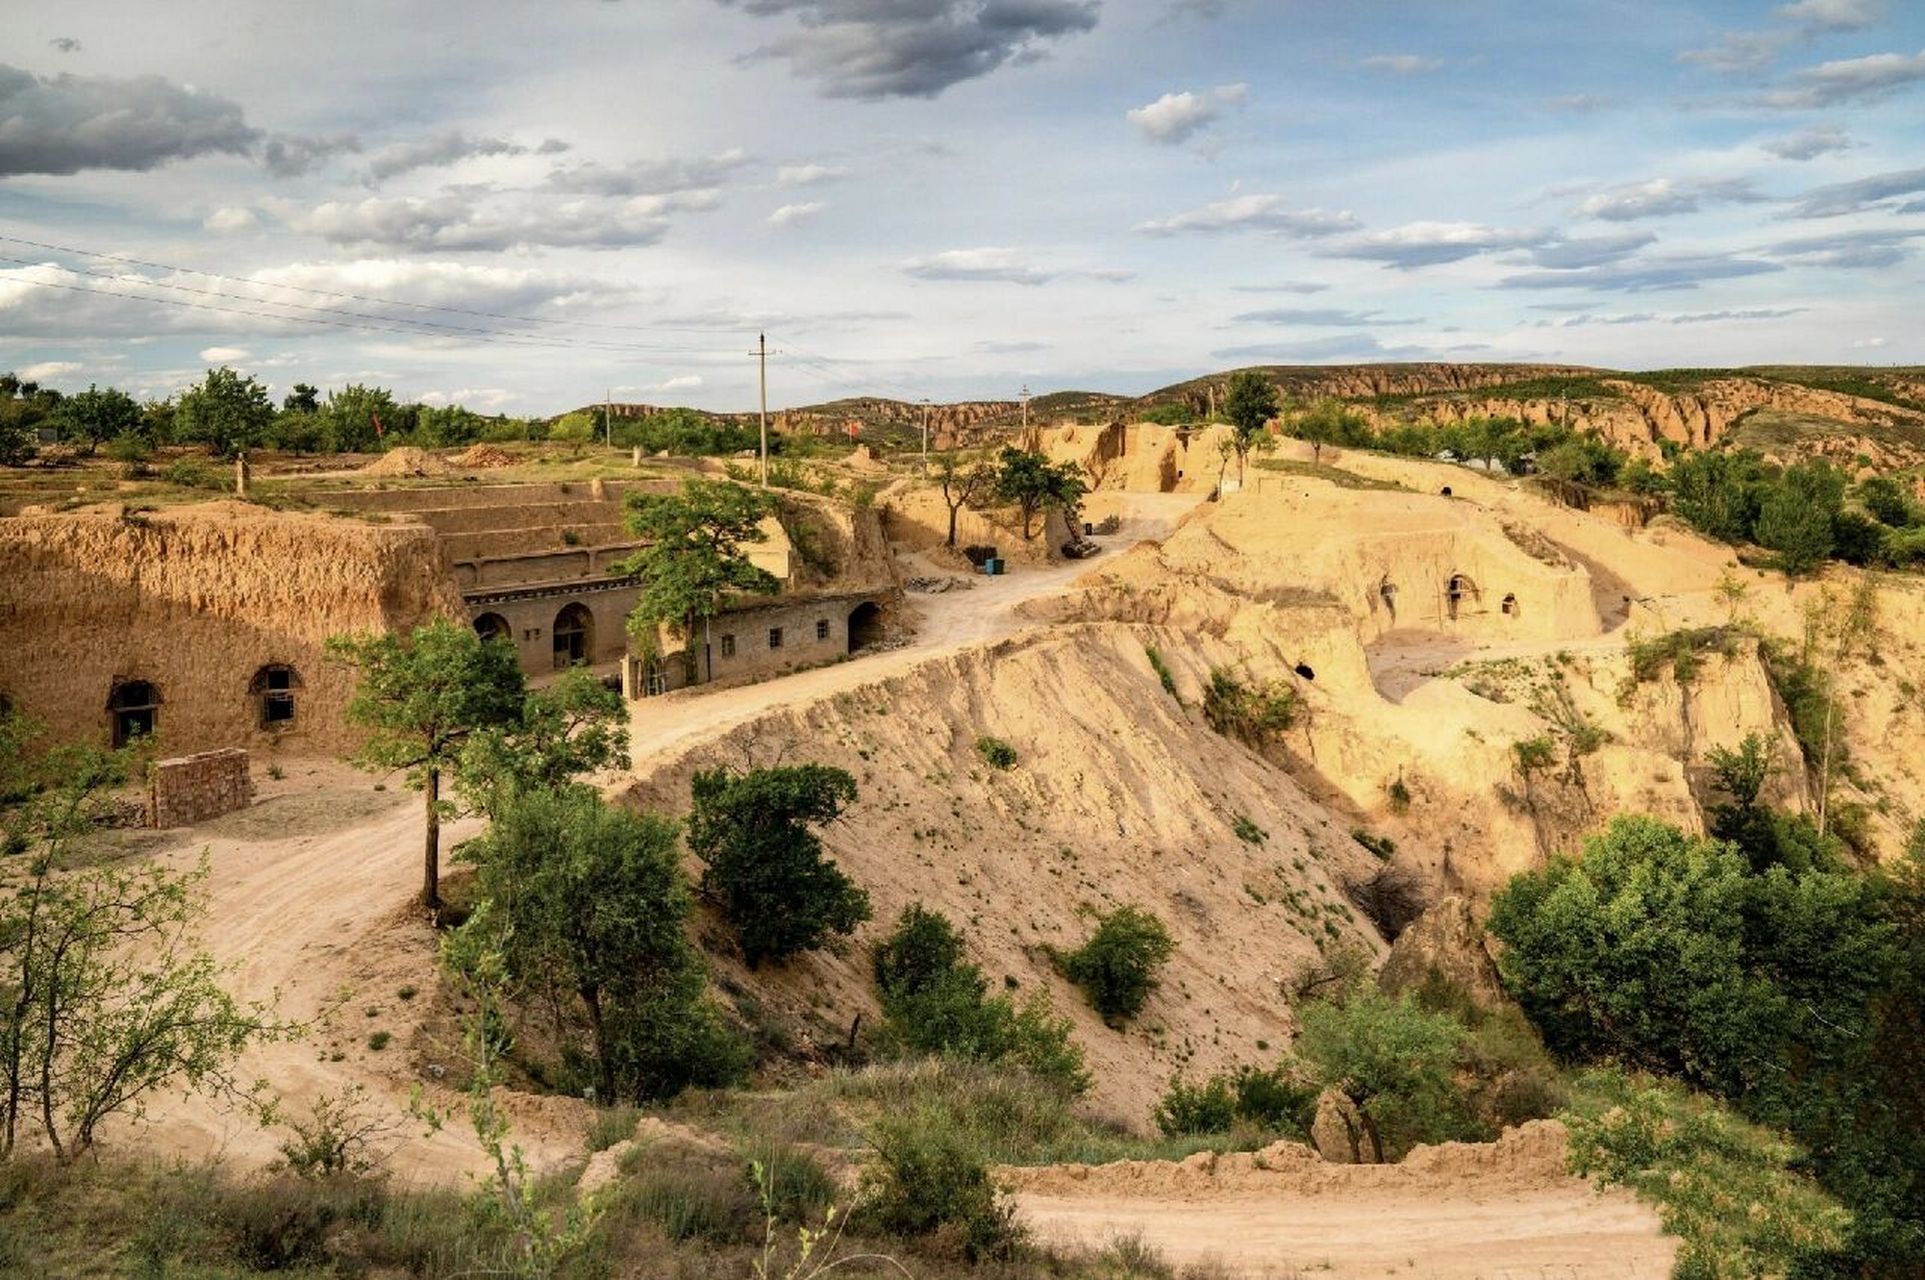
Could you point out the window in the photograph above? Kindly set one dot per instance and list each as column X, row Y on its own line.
column 728, row 646
column 492, row 626
column 654, row 680
column 573, row 636
column 822, row 628
column 134, row 706
column 775, row 637
column 274, row 686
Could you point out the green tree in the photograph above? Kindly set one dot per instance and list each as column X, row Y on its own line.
column 1718, row 493
column 576, row 429
column 302, row 399
column 1393, row 1061
column 588, row 899
column 1033, row 483
column 1249, row 402
column 764, row 863
column 1117, row 968
column 93, row 417
column 359, row 419
column 571, row 726
column 1888, row 501
column 962, row 485
column 227, row 412
column 693, row 559
column 105, row 998
column 1796, row 516
column 424, row 696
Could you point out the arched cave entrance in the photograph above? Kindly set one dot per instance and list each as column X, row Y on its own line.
column 492, row 626
column 865, row 625
column 1459, row 593
column 1510, row 605
column 574, row 633
column 133, row 709
column 1304, row 669
column 1446, row 491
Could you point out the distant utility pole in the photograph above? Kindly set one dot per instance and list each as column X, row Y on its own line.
column 608, row 418
column 925, row 435
column 1025, row 415
column 761, row 354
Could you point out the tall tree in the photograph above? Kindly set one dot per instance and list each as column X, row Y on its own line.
column 572, row 726
column 764, row 862
column 1249, row 402
column 1033, row 483
column 424, row 696
column 961, row 485
column 93, row 417
column 227, row 412
column 694, row 558
column 303, row 399
column 358, row 419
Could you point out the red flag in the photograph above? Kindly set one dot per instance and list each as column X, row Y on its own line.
column 378, row 431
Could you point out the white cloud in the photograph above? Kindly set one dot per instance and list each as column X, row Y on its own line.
column 1833, row 15
column 1403, row 64
column 1257, row 212
column 1177, row 117
column 808, row 175
column 516, row 220
column 1739, row 51
column 48, row 370
column 1002, row 266
column 1664, row 197
column 231, row 220
column 225, row 355
column 790, row 214
column 1809, row 144
column 1426, row 244
column 1849, row 79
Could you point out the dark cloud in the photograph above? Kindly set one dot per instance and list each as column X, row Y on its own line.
column 650, row 177
column 1318, row 317
column 1739, row 51
column 65, row 44
column 1840, row 198
column 1640, row 275
column 1849, row 249
column 1849, row 80
column 1817, row 16
column 874, row 49
column 432, row 153
column 1591, row 251
column 289, row 155
column 66, row 123
column 1809, row 144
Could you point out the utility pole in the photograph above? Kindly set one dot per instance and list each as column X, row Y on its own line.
column 762, row 360
column 925, row 435
column 1025, row 410
column 608, row 418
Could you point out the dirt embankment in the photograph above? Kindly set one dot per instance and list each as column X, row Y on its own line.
column 195, row 601
column 1454, row 1212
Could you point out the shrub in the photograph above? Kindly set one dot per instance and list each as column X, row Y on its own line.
column 191, row 473
column 1277, row 1101
column 1252, row 716
column 999, row 754
column 1209, row 1107
column 1394, row 1061
column 927, row 1180
column 1117, row 967
column 1383, row 846
column 1534, row 754
column 1683, row 650
column 798, row 1189
column 610, row 1126
column 764, row 863
column 1247, row 831
column 1164, row 675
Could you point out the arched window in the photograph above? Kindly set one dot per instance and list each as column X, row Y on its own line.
column 574, row 633
column 133, row 710
column 492, row 626
column 273, row 689
column 1459, row 592
column 865, row 625
column 1510, row 605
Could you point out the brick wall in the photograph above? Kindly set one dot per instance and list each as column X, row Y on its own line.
column 192, row 789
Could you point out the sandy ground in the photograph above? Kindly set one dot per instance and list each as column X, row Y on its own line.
column 1498, row 1211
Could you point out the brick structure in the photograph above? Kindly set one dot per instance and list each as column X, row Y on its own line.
column 194, row 788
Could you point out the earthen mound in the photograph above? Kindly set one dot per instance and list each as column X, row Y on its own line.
column 483, row 456
column 406, row 461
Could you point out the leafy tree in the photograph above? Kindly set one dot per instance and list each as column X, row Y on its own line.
column 1888, row 502
column 303, row 399
column 1393, row 1061
column 1718, row 493
column 227, row 412
column 572, row 726
column 357, row 419
column 962, row 485
column 94, row 416
column 588, row 899
column 447, row 425
column 1796, row 515
column 105, row 999
column 1249, row 402
column 937, row 1002
column 576, row 428
column 694, row 558
column 1117, row 967
column 1033, row 483
column 763, row 862
column 424, row 696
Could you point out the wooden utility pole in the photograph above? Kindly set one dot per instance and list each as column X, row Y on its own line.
column 925, row 435
column 762, row 360
column 608, row 418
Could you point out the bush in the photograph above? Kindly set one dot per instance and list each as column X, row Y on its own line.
column 1253, row 716
column 192, row 473
column 1394, row 1061
column 936, row 1002
column 1164, row 675
column 998, row 753
column 1117, row 967
column 798, row 1189
column 928, row 1180
column 764, row 863
column 1277, row 1101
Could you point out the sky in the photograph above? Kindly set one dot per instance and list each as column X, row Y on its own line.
column 525, row 205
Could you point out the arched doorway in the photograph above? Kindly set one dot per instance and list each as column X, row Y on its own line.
column 574, row 633
column 133, row 711
column 492, row 626
column 865, row 625
column 1459, row 594
column 1510, row 605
